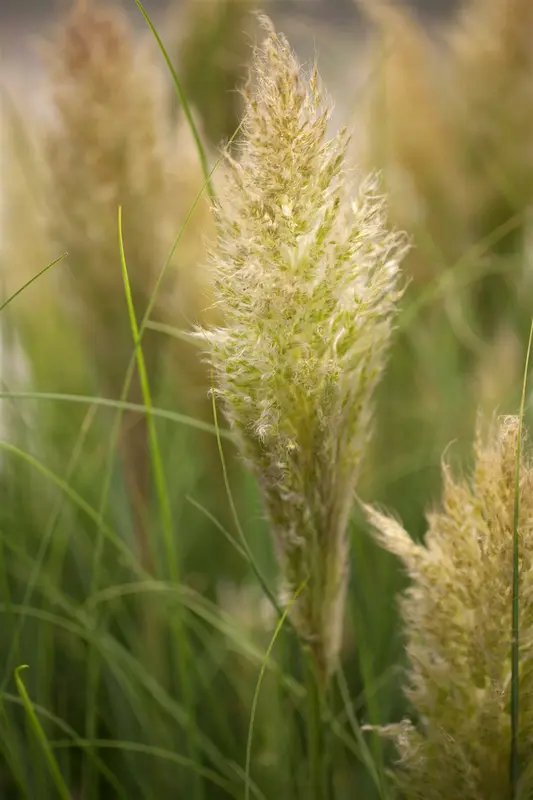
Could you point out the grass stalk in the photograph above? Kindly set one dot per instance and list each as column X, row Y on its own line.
column 11, row 751
column 316, row 739
column 61, row 787
column 120, row 405
column 244, row 542
column 365, row 753
column 29, row 282
column 183, row 101
column 264, row 665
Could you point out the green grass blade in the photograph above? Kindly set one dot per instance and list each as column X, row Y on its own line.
column 262, row 671
column 73, row 741
column 108, row 471
column 364, row 750
column 515, row 638
column 53, row 766
column 153, row 751
column 183, row 100
column 12, row 752
column 211, row 517
column 151, row 303
column 78, row 501
column 246, row 547
column 162, row 493
column 121, row 405
column 31, row 280
column 175, row 333
column 182, row 646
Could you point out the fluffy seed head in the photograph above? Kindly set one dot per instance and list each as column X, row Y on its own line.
column 306, row 278
column 458, row 625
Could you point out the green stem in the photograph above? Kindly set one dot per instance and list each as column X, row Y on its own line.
column 291, row 720
column 318, row 763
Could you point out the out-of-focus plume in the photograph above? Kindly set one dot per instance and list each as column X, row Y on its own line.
column 411, row 138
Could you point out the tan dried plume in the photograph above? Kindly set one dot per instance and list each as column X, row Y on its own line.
column 457, row 615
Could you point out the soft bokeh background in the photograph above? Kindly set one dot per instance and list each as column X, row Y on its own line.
column 140, row 622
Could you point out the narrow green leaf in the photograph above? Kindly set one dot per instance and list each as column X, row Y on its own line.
column 31, row 280
column 182, row 646
column 53, row 766
column 183, row 101
column 122, row 405
column 262, row 671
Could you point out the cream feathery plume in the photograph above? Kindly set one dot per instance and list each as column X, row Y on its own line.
column 307, row 282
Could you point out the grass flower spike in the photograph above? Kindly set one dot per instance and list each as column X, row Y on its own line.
column 458, row 618
column 307, row 280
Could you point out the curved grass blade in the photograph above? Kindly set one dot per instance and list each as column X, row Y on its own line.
column 122, row 405
column 182, row 646
column 131, row 366
column 364, row 751
column 151, row 303
column 93, row 667
column 184, row 104
column 262, row 671
column 246, row 547
column 175, row 333
column 53, row 766
column 74, row 740
column 157, row 463
column 211, row 517
column 115, row 433
column 148, row 750
column 32, row 280
column 78, row 500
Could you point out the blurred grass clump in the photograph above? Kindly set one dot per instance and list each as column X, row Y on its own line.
column 137, row 575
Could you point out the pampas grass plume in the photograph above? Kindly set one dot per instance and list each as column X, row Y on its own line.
column 307, row 282
column 457, row 616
